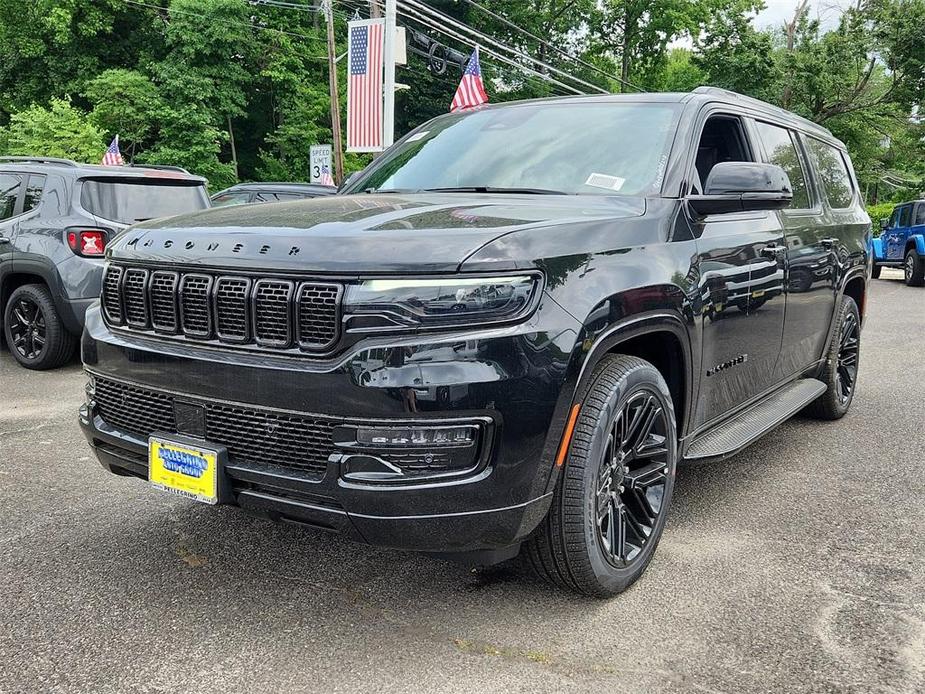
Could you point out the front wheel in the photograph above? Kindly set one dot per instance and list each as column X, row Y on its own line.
column 914, row 269
column 612, row 499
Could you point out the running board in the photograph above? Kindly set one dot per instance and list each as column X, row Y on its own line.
column 747, row 427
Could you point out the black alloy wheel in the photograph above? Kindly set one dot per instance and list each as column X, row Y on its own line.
column 611, row 500
column 33, row 330
column 840, row 370
column 632, row 479
column 846, row 370
column 26, row 325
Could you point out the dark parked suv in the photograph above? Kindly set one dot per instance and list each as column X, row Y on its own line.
column 246, row 193
column 56, row 219
column 503, row 339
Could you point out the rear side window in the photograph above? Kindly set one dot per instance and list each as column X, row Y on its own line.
column 834, row 173
column 129, row 201
column 781, row 149
column 33, row 192
column 904, row 214
column 9, row 191
column 919, row 214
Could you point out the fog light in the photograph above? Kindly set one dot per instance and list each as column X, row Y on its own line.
column 376, row 453
column 416, row 437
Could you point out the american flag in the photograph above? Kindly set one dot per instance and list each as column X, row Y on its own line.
column 326, row 178
column 471, row 91
column 364, row 87
column 113, row 156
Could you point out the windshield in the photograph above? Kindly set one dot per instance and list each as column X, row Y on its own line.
column 128, row 202
column 603, row 148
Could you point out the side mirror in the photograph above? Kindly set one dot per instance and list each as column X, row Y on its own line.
column 743, row 186
column 884, row 224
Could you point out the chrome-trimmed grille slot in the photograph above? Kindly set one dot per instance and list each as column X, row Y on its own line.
column 272, row 312
column 318, row 315
column 195, row 310
column 232, row 314
column 135, row 297
column 163, row 299
column 112, row 296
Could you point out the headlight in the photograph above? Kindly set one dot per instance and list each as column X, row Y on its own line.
column 413, row 303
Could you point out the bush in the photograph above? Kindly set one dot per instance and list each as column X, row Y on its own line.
column 59, row 131
column 878, row 213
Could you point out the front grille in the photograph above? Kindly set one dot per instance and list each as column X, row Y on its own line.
column 253, row 436
column 260, row 313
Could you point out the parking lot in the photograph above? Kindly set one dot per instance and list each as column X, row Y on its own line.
column 798, row 565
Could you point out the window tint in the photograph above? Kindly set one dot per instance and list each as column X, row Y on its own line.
column 894, row 218
column 33, row 192
column 137, row 200
column 904, row 215
column 834, row 173
column 781, row 150
column 9, row 191
column 919, row 214
column 230, row 199
column 722, row 140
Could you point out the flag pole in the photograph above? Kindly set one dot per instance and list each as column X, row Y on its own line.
column 335, row 99
column 388, row 86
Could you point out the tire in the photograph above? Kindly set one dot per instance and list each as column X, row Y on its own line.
column 841, row 365
column 875, row 271
column 573, row 547
column 34, row 333
column 914, row 269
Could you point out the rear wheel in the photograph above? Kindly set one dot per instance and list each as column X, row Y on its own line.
column 914, row 269
column 840, row 372
column 611, row 502
column 34, row 333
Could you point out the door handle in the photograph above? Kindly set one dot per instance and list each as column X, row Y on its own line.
column 773, row 251
column 828, row 243
column 3, row 240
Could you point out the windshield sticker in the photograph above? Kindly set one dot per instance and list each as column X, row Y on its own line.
column 418, row 136
column 599, row 180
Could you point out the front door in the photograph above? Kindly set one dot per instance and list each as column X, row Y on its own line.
column 742, row 261
column 896, row 234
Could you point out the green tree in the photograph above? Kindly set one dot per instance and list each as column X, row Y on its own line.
column 61, row 130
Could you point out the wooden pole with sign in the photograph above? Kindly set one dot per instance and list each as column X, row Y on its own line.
column 335, row 100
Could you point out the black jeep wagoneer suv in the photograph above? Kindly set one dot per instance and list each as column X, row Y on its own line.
column 503, row 339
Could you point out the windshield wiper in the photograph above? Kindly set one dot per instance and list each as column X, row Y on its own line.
column 378, row 191
column 493, row 189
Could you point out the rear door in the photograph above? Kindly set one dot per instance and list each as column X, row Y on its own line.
column 10, row 206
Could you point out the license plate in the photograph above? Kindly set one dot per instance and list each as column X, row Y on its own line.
column 189, row 471
column 758, row 294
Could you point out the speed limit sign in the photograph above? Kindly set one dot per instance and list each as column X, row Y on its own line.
column 320, row 162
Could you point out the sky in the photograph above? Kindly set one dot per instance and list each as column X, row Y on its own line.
column 779, row 11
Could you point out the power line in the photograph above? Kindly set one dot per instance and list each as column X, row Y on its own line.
column 466, row 41
column 436, row 14
column 558, row 50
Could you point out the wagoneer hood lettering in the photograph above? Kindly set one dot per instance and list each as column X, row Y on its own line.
column 358, row 234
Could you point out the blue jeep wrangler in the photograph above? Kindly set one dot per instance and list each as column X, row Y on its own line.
column 902, row 243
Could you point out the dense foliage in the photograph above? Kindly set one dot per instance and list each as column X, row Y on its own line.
column 237, row 90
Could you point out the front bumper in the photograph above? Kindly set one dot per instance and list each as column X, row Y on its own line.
column 514, row 379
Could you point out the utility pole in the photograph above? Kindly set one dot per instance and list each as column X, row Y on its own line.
column 335, row 100
column 375, row 12
column 388, row 86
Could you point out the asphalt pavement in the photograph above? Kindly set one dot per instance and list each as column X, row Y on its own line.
column 796, row 566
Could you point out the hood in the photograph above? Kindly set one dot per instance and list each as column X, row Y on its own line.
column 358, row 233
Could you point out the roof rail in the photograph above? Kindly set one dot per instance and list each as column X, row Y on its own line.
column 41, row 160
column 164, row 167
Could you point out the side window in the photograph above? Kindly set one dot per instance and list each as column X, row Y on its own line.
column 33, row 192
column 919, row 214
column 781, row 149
column 230, row 199
column 9, row 191
column 905, row 215
column 834, row 173
column 722, row 139
column 894, row 218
